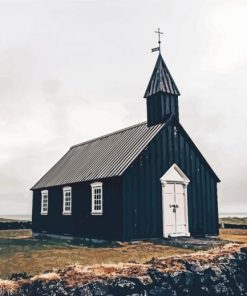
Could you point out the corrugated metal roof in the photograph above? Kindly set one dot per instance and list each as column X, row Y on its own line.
column 103, row 157
column 161, row 80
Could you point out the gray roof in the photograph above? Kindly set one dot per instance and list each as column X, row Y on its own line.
column 103, row 157
column 161, row 80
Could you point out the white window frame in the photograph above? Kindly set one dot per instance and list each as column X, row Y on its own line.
column 65, row 190
column 44, row 194
column 94, row 186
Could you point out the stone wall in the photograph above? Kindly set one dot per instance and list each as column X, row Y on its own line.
column 218, row 272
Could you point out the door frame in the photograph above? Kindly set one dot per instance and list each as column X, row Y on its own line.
column 170, row 178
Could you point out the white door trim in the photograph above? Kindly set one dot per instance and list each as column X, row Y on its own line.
column 175, row 175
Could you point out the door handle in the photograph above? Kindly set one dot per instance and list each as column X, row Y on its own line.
column 174, row 206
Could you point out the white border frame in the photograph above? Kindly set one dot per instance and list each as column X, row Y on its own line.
column 93, row 186
column 44, row 192
column 66, row 189
column 185, row 182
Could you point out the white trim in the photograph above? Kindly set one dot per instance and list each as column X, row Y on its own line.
column 65, row 190
column 167, row 178
column 96, row 185
column 44, row 193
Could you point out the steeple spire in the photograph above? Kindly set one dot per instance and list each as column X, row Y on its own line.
column 161, row 93
column 161, row 80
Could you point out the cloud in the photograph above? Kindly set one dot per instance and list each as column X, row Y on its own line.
column 74, row 70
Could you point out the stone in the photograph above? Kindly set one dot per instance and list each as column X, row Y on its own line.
column 226, row 275
column 19, row 276
column 194, row 267
column 243, row 250
column 157, row 276
column 220, row 289
column 83, row 291
column 188, row 278
column 126, row 286
column 217, row 272
column 161, row 291
column 100, row 288
column 176, row 277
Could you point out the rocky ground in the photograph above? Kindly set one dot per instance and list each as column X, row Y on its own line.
column 221, row 271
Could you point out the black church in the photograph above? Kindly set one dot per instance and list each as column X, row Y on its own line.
column 145, row 181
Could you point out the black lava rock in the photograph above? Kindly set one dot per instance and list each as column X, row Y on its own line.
column 127, row 286
column 19, row 276
column 100, row 288
column 225, row 276
column 162, row 291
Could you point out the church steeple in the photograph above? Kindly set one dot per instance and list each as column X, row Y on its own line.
column 161, row 94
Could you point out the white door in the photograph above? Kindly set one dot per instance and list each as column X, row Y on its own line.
column 175, row 222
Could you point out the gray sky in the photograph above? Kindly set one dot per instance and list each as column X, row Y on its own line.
column 74, row 70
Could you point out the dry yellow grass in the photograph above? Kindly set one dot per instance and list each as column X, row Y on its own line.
column 46, row 277
column 235, row 235
column 8, row 286
column 15, row 234
column 19, row 252
column 37, row 261
column 234, row 220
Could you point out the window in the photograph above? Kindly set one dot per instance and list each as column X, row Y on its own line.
column 67, row 201
column 44, row 202
column 97, row 198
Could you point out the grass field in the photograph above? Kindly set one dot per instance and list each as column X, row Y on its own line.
column 20, row 252
column 7, row 220
column 234, row 220
column 236, row 235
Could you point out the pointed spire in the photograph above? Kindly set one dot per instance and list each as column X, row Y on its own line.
column 161, row 80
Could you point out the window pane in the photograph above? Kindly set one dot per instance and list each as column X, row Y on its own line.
column 44, row 202
column 97, row 199
column 67, row 201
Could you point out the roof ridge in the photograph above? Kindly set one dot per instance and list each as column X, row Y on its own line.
column 109, row 134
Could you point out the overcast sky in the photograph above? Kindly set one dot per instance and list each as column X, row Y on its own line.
column 74, row 70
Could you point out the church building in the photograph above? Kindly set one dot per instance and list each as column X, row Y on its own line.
column 148, row 180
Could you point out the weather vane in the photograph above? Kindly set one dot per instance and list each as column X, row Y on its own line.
column 159, row 42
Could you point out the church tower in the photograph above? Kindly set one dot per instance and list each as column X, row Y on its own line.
column 161, row 94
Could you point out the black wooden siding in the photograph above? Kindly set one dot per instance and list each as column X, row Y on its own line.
column 142, row 194
column 81, row 222
column 160, row 107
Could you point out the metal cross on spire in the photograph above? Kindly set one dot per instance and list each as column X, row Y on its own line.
column 159, row 42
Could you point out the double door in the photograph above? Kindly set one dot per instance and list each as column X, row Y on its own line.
column 175, row 221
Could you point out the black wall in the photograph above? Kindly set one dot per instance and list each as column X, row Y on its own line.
column 142, row 195
column 160, row 107
column 81, row 222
